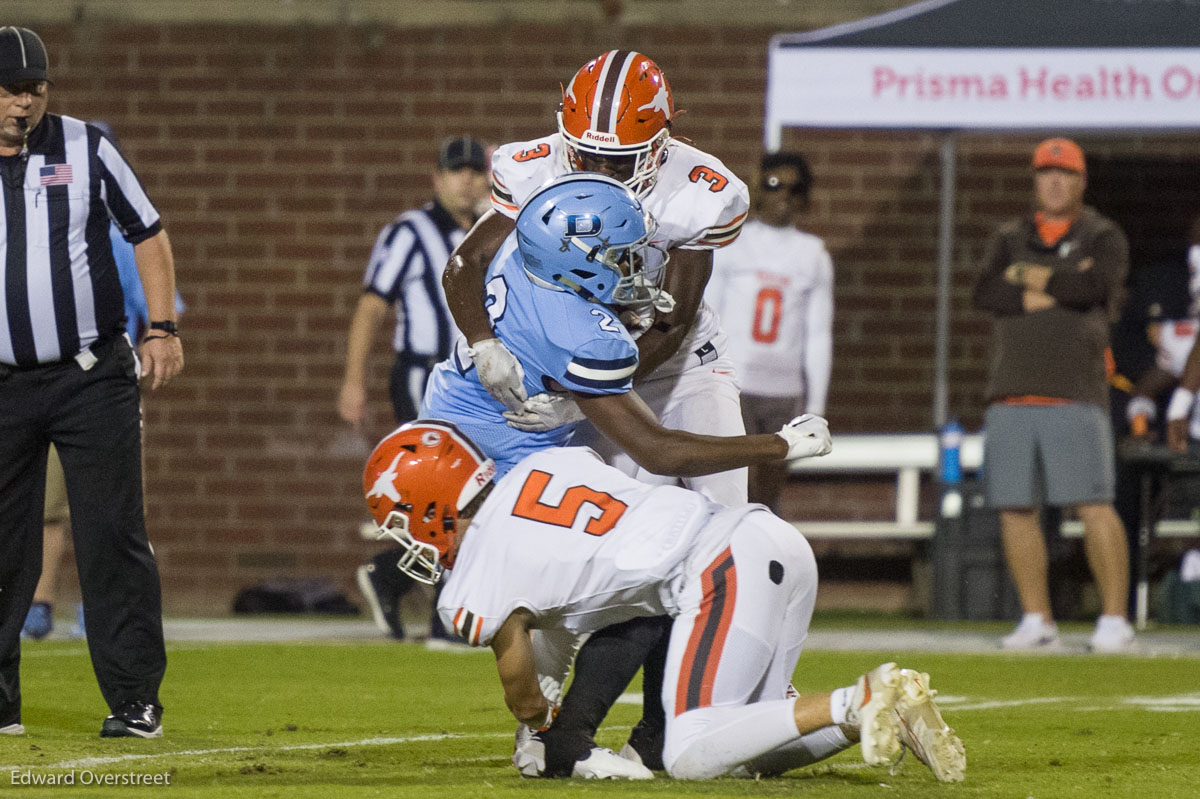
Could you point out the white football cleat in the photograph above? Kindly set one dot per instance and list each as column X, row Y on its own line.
column 872, row 710
column 925, row 733
column 605, row 764
column 13, row 729
column 529, row 753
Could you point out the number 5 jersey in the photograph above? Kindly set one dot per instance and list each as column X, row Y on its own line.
column 580, row 545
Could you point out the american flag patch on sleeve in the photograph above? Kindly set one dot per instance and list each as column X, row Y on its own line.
column 55, row 175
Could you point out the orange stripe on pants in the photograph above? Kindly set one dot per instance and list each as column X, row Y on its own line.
column 698, row 671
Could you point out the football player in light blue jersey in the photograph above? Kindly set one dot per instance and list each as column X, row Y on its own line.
column 560, row 291
column 578, row 263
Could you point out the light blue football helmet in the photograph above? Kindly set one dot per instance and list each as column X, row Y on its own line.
column 589, row 234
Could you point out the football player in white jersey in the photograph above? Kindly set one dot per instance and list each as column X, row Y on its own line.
column 615, row 118
column 565, row 542
column 773, row 291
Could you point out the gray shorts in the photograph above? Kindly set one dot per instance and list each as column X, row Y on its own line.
column 768, row 414
column 1059, row 455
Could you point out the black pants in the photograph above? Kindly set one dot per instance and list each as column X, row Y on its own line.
column 93, row 417
column 409, row 375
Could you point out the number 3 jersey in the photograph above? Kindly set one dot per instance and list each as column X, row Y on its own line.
column 578, row 544
column 562, row 342
column 697, row 202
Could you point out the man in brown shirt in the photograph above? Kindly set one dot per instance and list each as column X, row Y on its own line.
column 1053, row 282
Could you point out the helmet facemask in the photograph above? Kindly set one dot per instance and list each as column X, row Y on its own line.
column 585, row 155
column 420, row 561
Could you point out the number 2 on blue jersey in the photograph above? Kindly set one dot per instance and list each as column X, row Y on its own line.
column 607, row 323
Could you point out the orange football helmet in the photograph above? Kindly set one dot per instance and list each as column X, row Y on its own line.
column 618, row 107
column 416, row 482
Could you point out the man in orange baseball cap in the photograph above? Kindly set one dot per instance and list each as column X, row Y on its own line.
column 1052, row 280
column 1059, row 154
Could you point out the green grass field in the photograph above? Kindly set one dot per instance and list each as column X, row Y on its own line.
column 372, row 718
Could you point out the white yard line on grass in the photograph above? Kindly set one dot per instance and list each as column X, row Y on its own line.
column 90, row 762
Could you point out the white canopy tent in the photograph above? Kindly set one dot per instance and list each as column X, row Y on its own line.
column 949, row 65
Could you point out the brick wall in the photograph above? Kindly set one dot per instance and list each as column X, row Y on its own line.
column 277, row 153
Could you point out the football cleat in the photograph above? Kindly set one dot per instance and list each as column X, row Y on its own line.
column 38, row 622
column 529, row 752
column 924, row 732
column 605, row 764
column 872, row 711
column 133, row 720
column 16, row 728
column 645, row 746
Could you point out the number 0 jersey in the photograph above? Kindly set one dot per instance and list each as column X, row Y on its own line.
column 578, row 544
column 562, row 341
column 697, row 202
column 773, row 292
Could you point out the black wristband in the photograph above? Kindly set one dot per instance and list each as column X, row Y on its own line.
column 168, row 327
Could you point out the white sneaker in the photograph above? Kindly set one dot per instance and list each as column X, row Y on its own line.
column 529, row 753
column 924, row 732
column 872, row 710
column 12, row 729
column 1112, row 634
column 1032, row 633
column 605, row 764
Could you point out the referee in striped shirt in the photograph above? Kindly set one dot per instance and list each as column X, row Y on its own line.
column 405, row 271
column 69, row 376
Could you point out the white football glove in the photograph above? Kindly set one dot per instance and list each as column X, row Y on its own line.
column 806, row 436
column 543, row 412
column 499, row 371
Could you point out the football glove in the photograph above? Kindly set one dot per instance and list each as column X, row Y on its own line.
column 499, row 371
column 543, row 412
column 806, row 436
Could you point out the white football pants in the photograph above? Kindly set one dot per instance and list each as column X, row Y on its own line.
column 743, row 620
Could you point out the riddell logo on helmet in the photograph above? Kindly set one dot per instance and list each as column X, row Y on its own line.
column 484, row 477
column 603, row 138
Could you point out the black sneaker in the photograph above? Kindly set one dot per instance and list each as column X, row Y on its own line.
column 134, row 720
column 382, row 585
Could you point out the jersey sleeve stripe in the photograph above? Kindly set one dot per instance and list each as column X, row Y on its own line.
column 720, row 236
column 601, row 374
column 501, row 195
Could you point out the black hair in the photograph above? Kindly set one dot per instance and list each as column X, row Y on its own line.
column 804, row 176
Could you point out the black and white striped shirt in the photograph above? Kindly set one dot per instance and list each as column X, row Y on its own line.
column 406, row 270
column 61, row 287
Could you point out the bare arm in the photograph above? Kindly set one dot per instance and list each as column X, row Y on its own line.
column 352, row 399
column 632, row 426
column 687, row 275
column 162, row 356
column 463, row 280
column 518, row 674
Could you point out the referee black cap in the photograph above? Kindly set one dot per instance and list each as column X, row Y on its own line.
column 22, row 56
column 457, row 152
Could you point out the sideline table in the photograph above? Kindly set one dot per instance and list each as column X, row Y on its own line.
column 1151, row 461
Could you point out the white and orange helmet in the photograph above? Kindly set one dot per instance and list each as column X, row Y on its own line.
column 416, row 482
column 618, row 105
